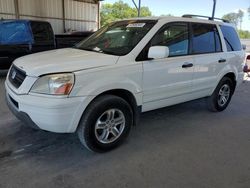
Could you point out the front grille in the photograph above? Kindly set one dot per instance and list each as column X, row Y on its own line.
column 16, row 76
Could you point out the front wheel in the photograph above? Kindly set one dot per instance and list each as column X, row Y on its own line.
column 105, row 124
column 221, row 96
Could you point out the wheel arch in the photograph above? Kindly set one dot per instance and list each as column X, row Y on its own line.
column 232, row 77
column 132, row 99
column 128, row 97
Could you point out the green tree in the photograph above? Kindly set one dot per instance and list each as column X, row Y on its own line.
column 120, row 10
column 235, row 18
column 240, row 17
column 231, row 17
column 244, row 34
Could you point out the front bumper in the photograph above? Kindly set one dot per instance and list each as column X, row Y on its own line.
column 20, row 115
column 60, row 115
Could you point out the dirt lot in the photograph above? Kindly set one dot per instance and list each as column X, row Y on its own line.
column 183, row 146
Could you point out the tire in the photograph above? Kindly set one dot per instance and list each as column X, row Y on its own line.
column 97, row 130
column 215, row 102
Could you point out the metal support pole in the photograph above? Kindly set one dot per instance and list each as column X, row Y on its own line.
column 16, row 9
column 214, row 7
column 63, row 15
column 98, row 16
column 138, row 7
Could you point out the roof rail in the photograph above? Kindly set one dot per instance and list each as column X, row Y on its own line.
column 200, row 16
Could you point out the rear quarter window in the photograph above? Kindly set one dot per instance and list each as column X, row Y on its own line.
column 231, row 38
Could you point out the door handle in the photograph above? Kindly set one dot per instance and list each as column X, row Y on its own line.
column 187, row 65
column 222, row 60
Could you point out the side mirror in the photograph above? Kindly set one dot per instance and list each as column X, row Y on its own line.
column 158, row 52
column 244, row 47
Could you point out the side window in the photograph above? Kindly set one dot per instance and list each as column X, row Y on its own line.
column 175, row 37
column 231, row 38
column 42, row 32
column 205, row 39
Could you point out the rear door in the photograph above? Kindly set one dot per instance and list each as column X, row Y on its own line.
column 209, row 58
column 168, row 81
column 235, row 53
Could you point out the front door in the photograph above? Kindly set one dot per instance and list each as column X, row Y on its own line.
column 168, row 81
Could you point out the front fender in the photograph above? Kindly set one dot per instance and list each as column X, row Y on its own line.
column 94, row 83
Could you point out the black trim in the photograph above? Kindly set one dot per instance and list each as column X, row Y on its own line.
column 217, row 30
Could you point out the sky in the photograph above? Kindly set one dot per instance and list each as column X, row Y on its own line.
column 200, row 7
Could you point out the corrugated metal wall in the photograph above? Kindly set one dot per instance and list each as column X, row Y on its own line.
column 7, row 9
column 75, row 11
column 79, row 16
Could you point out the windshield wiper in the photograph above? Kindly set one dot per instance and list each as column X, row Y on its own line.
column 87, row 49
column 96, row 49
column 109, row 52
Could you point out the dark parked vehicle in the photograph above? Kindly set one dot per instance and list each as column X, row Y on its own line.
column 23, row 37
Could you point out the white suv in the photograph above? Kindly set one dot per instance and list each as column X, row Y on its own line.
column 100, row 87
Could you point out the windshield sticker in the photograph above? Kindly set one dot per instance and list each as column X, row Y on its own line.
column 136, row 25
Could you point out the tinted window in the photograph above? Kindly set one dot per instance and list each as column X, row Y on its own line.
column 175, row 37
column 205, row 39
column 231, row 38
column 14, row 33
column 42, row 32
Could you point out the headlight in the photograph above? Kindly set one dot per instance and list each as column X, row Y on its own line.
column 54, row 84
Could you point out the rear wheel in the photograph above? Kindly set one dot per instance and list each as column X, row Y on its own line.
column 105, row 124
column 221, row 96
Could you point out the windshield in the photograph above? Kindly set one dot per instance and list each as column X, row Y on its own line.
column 14, row 33
column 118, row 38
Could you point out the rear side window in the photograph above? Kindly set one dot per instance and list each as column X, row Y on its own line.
column 205, row 39
column 42, row 32
column 231, row 38
column 175, row 37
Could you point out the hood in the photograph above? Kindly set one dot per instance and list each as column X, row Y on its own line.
column 63, row 60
